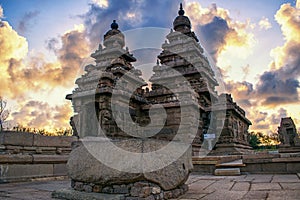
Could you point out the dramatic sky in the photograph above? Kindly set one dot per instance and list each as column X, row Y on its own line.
column 44, row 46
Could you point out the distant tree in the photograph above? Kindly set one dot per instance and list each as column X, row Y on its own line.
column 254, row 140
column 42, row 131
column 4, row 113
column 275, row 138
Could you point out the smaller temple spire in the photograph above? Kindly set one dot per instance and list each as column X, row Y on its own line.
column 181, row 11
column 114, row 25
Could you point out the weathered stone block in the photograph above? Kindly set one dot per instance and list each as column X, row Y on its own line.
column 145, row 192
column 50, row 158
column 252, row 167
column 15, row 158
column 97, row 188
column 16, row 138
column 179, row 170
column 108, row 190
column 84, row 167
column 155, row 190
column 14, row 149
column 120, row 189
column 204, row 169
column 52, row 141
column 87, row 188
column 21, row 171
column 60, row 169
column 287, row 159
column 293, row 167
column 274, row 167
column 228, row 172
column 29, row 149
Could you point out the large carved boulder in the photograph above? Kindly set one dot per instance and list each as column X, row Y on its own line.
column 140, row 160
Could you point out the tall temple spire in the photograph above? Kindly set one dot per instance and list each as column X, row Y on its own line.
column 183, row 24
column 114, row 25
column 181, row 11
column 114, row 36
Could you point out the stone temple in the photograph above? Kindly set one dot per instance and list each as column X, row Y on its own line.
column 289, row 138
column 139, row 142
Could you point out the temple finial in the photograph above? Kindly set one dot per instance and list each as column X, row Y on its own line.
column 181, row 11
column 114, row 25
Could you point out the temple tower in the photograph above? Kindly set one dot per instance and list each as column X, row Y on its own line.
column 182, row 53
column 289, row 138
column 117, row 152
column 92, row 99
column 219, row 115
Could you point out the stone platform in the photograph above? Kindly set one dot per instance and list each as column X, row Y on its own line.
column 260, row 163
column 253, row 186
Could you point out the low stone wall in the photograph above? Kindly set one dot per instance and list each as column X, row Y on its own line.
column 25, row 156
column 272, row 163
column 282, row 163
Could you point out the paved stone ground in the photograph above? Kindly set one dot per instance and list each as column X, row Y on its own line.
column 257, row 186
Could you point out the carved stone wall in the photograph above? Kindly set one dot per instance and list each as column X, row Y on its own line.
column 25, row 156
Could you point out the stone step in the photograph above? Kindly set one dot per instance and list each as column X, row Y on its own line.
column 235, row 163
column 227, row 172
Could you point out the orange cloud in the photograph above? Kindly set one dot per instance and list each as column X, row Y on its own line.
column 24, row 76
column 21, row 73
column 232, row 36
column 41, row 115
column 280, row 85
column 288, row 18
column 12, row 47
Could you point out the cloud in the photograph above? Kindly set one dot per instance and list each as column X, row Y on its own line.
column 241, row 91
column 246, row 71
column 75, row 49
column 264, row 24
column 276, row 91
column 202, row 16
column 40, row 115
column 215, row 34
column 52, row 44
column 101, row 3
column 24, row 76
column 129, row 15
column 280, row 84
column 1, row 12
column 288, row 17
column 267, row 122
column 219, row 33
column 26, row 20
column 12, row 47
column 20, row 71
column 276, row 118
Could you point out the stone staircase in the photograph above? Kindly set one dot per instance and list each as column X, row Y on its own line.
column 229, row 168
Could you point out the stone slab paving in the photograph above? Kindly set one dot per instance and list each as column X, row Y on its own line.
column 257, row 187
